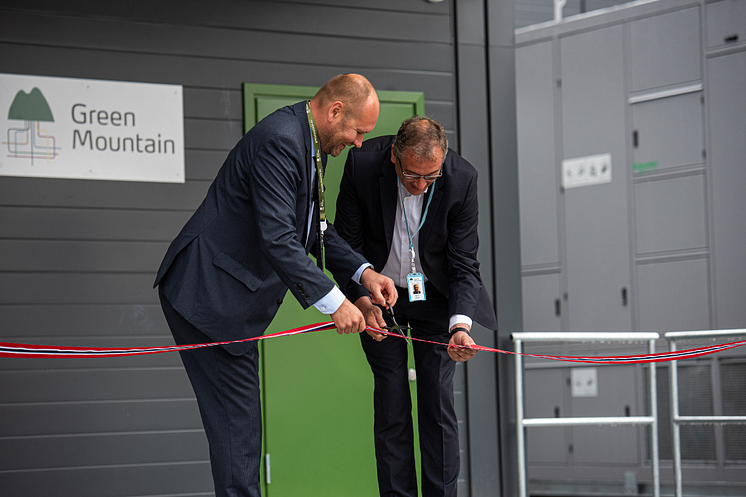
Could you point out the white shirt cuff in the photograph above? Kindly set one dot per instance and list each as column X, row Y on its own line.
column 359, row 272
column 329, row 303
column 459, row 318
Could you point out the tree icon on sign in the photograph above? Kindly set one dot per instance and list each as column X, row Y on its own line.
column 31, row 141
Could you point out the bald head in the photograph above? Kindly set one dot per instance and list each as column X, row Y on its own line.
column 345, row 109
column 353, row 90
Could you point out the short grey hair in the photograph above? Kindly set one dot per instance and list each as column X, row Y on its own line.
column 419, row 136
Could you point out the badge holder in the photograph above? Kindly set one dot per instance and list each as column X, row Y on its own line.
column 415, row 282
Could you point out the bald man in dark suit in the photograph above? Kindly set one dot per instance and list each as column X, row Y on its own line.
column 224, row 276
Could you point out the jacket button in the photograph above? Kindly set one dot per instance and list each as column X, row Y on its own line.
column 279, row 302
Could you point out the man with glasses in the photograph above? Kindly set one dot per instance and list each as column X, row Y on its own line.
column 409, row 205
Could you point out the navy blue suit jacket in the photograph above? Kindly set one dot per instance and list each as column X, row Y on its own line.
column 231, row 265
column 448, row 240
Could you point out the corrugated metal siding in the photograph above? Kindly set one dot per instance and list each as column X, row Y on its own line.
column 78, row 258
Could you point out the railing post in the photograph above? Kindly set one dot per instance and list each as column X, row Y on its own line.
column 520, row 430
column 673, row 375
column 654, row 426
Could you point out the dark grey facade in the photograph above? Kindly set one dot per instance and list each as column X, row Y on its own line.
column 78, row 258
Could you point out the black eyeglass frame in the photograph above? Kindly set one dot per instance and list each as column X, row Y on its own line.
column 415, row 177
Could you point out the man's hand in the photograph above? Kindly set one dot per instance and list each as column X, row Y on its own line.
column 381, row 288
column 461, row 338
column 373, row 317
column 348, row 318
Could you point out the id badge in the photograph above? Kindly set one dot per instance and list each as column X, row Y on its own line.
column 416, row 287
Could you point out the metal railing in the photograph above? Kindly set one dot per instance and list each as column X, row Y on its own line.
column 522, row 422
column 676, row 419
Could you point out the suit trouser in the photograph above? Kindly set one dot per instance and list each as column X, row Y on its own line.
column 227, row 390
column 393, row 427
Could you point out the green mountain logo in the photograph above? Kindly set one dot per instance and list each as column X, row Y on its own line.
column 31, row 141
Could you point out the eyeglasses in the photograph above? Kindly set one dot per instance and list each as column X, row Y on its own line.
column 414, row 177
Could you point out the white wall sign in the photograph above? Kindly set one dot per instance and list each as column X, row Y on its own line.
column 91, row 129
column 585, row 171
column 584, row 382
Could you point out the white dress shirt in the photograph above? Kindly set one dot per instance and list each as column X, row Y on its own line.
column 398, row 265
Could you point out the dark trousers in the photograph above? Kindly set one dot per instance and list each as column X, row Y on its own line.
column 227, row 390
column 393, row 427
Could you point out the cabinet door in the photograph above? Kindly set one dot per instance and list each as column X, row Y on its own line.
column 726, row 23
column 542, row 306
column 665, row 50
column 674, row 296
column 728, row 165
column 596, row 216
column 537, row 162
column 667, row 132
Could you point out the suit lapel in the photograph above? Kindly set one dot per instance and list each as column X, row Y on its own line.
column 308, row 231
column 389, row 197
column 431, row 212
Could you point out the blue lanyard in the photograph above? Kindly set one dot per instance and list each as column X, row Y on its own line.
column 422, row 221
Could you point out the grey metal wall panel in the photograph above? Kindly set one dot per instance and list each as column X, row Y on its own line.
column 54, row 223
column 172, row 39
column 85, row 256
column 80, row 385
column 670, row 214
column 669, row 132
column 209, row 103
column 728, row 164
column 101, row 194
column 541, row 298
column 77, row 288
column 102, row 449
column 536, row 154
column 81, row 321
column 191, row 478
column 242, row 13
column 215, row 72
column 596, row 221
column 665, row 50
column 208, row 134
column 674, row 295
column 99, row 417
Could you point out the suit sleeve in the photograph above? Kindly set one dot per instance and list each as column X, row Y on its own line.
column 274, row 179
column 464, row 281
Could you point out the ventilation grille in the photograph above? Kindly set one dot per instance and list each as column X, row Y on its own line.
column 733, row 378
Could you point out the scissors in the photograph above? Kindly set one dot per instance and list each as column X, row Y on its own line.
column 396, row 328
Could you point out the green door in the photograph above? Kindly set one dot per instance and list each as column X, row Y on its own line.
column 317, row 389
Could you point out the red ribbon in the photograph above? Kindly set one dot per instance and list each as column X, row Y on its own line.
column 47, row 351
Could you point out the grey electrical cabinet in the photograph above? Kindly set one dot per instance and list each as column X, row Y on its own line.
column 632, row 170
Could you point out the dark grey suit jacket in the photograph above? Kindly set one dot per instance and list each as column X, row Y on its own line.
column 448, row 241
column 231, row 265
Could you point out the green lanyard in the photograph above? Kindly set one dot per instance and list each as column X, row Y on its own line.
column 319, row 169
